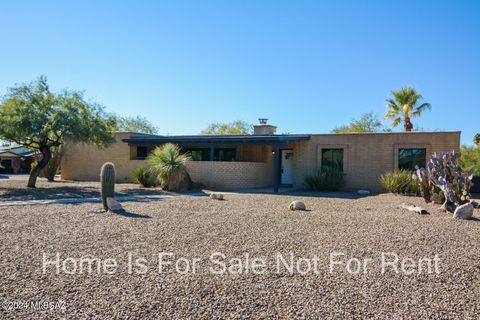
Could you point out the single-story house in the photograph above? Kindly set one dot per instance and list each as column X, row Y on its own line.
column 16, row 159
column 266, row 159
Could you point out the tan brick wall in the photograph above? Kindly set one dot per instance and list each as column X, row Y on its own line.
column 231, row 175
column 83, row 162
column 367, row 156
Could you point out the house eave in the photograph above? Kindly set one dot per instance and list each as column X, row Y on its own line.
column 208, row 139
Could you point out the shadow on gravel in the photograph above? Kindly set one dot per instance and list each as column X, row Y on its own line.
column 58, row 192
column 127, row 214
column 48, row 193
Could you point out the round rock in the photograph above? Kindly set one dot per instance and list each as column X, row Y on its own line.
column 297, row 205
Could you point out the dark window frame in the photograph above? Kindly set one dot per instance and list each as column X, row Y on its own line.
column 204, row 154
column 225, row 154
column 324, row 166
column 219, row 154
column 412, row 157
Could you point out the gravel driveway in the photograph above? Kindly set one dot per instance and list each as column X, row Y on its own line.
column 259, row 226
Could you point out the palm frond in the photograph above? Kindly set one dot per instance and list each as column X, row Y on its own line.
column 396, row 122
column 392, row 109
column 391, row 114
column 392, row 104
column 424, row 106
column 406, row 95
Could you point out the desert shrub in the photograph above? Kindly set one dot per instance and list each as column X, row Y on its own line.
column 145, row 177
column 325, row 180
column 470, row 159
column 168, row 164
column 399, row 182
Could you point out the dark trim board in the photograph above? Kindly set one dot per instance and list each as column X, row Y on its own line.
column 243, row 139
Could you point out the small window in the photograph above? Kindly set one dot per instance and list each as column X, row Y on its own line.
column 409, row 158
column 225, row 154
column 142, row 152
column 332, row 160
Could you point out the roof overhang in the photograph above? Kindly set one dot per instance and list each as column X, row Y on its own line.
column 17, row 155
column 214, row 139
column 9, row 154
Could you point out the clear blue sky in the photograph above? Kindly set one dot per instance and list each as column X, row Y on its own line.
column 307, row 65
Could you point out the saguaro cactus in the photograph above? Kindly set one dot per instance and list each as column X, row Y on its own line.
column 107, row 180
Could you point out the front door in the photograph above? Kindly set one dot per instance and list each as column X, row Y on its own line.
column 287, row 167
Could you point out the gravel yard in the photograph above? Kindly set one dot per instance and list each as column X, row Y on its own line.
column 16, row 190
column 257, row 225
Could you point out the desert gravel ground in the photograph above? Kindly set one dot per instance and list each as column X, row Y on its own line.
column 16, row 190
column 260, row 225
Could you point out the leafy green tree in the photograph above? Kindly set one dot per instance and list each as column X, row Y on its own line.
column 476, row 139
column 235, row 127
column 470, row 159
column 368, row 122
column 404, row 106
column 135, row 124
column 33, row 116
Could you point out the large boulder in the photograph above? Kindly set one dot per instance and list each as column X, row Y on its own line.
column 465, row 211
column 113, row 205
column 297, row 205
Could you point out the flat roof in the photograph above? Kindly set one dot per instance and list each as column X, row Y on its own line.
column 217, row 138
column 385, row 133
column 266, row 139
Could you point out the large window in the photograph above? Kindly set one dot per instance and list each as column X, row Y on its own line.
column 219, row 154
column 332, row 159
column 409, row 158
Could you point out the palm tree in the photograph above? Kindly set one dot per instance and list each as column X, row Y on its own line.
column 405, row 106
column 168, row 163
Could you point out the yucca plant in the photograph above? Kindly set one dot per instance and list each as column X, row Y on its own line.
column 168, row 163
column 399, row 182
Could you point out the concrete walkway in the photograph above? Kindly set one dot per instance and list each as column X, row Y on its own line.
column 81, row 200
